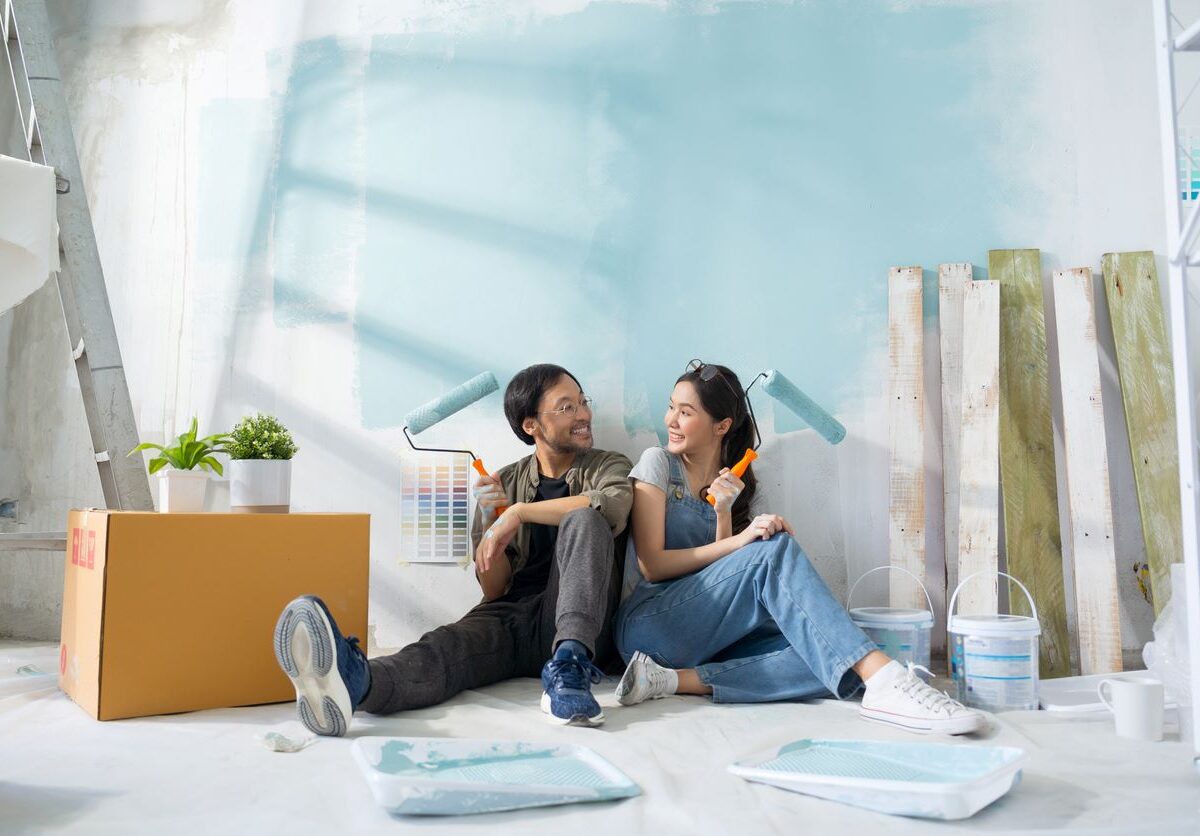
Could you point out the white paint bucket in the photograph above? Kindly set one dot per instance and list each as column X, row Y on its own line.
column 902, row 633
column 994, row 658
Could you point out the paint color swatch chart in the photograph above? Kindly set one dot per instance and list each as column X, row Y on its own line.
column 434, row 508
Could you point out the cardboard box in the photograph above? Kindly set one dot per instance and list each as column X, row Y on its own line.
column 176, row 612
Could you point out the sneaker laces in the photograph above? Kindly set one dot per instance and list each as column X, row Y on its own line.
column 574, row 673
column 656, row 675
column 925, row 694
column 355, row 648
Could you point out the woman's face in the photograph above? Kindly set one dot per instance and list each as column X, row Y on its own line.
column 689, row 428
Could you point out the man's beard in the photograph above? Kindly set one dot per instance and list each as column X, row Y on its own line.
column 567, row 444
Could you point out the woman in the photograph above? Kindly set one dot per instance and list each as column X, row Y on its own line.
column 727, row 604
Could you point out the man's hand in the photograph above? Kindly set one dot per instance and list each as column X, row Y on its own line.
column 489, row 495
column 496, row 539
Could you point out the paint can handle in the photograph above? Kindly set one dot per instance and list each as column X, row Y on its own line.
column 850, row 596
column 957, row 589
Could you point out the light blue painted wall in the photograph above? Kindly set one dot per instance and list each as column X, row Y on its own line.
column 624, row 187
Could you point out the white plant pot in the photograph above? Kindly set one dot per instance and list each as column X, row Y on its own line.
column 260, row 486
column 181, row 491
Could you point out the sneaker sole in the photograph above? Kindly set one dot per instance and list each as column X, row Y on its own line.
column 918, row 726
column 577, row 720
column 304, row 648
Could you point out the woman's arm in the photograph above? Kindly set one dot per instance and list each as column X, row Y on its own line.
column 724, row 524
column 649, row 536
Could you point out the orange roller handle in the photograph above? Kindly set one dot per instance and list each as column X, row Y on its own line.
column 482, row 471
column 737, row 470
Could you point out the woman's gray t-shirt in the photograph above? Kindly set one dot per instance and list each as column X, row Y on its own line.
column 654, row 468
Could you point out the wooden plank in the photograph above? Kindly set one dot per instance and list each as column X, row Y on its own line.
column 1033, row 547
column 1148, row 394
column 906, row 387
column 979, row 487
column 1085, row 453
column 952, row 278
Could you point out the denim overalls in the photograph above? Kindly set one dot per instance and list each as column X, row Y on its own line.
column 758, row 625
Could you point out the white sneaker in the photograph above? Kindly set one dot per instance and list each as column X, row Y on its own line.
column 645, row 679
column 905, row 700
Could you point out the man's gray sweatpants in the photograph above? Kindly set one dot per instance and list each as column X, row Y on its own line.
column 510, row 636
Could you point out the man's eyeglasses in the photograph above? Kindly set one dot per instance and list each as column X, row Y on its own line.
column 571, row 410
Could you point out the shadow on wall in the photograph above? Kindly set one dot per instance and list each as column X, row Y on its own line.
column 625, row 178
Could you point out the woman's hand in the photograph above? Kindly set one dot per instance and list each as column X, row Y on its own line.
column 764, row 527
column 725, row 489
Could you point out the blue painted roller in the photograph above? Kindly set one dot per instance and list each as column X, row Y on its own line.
column 460, row 397
column 786, row 392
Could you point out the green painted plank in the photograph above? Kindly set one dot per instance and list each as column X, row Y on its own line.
column 1148, row 392
column 1033, row 543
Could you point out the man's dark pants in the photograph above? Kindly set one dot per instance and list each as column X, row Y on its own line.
column 515, row 634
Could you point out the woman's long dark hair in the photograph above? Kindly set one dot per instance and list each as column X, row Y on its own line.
column 722, row 397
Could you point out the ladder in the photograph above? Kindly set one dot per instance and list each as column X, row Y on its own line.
column 1182, row 254
column 41, row 133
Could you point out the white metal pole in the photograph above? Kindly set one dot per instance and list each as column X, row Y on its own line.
column 1178, row 316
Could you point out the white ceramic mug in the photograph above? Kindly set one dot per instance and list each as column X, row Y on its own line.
column 1136, row 704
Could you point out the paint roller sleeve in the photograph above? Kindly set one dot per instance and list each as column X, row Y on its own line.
column 460, row 397
column 786, row 392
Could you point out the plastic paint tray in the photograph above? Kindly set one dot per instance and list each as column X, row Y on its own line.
column 928, row 780
column 1078, row 693
column 441, row 776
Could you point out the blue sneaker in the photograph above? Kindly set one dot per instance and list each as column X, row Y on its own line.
column 567, row 687
column 329, row 671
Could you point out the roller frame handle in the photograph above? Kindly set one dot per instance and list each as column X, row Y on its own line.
column 482, row 471
column 737, row 470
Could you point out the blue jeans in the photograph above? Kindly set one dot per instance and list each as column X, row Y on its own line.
column 758, row 625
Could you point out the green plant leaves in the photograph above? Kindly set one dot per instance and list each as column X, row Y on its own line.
column 260, row 437
column 187, row 452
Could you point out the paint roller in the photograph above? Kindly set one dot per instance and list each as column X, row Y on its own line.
column 788, row 394
column 439, row 409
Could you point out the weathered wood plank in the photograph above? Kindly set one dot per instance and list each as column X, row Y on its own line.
column 1033, row 546
column 979, row 487
column 1085, row 462
column 1148, row 394
column 906, row 387
column 952, row 278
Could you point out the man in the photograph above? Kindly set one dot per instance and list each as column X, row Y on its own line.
column 544, row 558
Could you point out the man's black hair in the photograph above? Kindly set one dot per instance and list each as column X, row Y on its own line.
column 523, row 395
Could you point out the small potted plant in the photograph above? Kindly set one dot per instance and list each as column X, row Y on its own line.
column 260, row 466
column 183, row 483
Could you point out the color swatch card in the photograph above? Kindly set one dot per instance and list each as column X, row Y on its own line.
column 435, row 508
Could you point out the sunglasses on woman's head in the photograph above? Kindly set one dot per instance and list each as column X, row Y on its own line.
column 707, row 372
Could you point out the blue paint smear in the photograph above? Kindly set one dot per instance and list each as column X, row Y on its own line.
column 631, row 187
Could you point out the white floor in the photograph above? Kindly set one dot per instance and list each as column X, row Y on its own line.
column 208, row 772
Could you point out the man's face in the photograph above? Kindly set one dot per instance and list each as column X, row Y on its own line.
column 564, row 419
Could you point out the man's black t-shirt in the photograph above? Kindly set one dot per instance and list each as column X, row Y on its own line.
column 532, row 577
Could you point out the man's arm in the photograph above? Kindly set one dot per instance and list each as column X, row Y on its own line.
column 493, row 575
column 493, row 569
column 548, row 511
column 611, row 492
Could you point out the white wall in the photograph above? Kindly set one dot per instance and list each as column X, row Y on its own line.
column 1065, row 100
